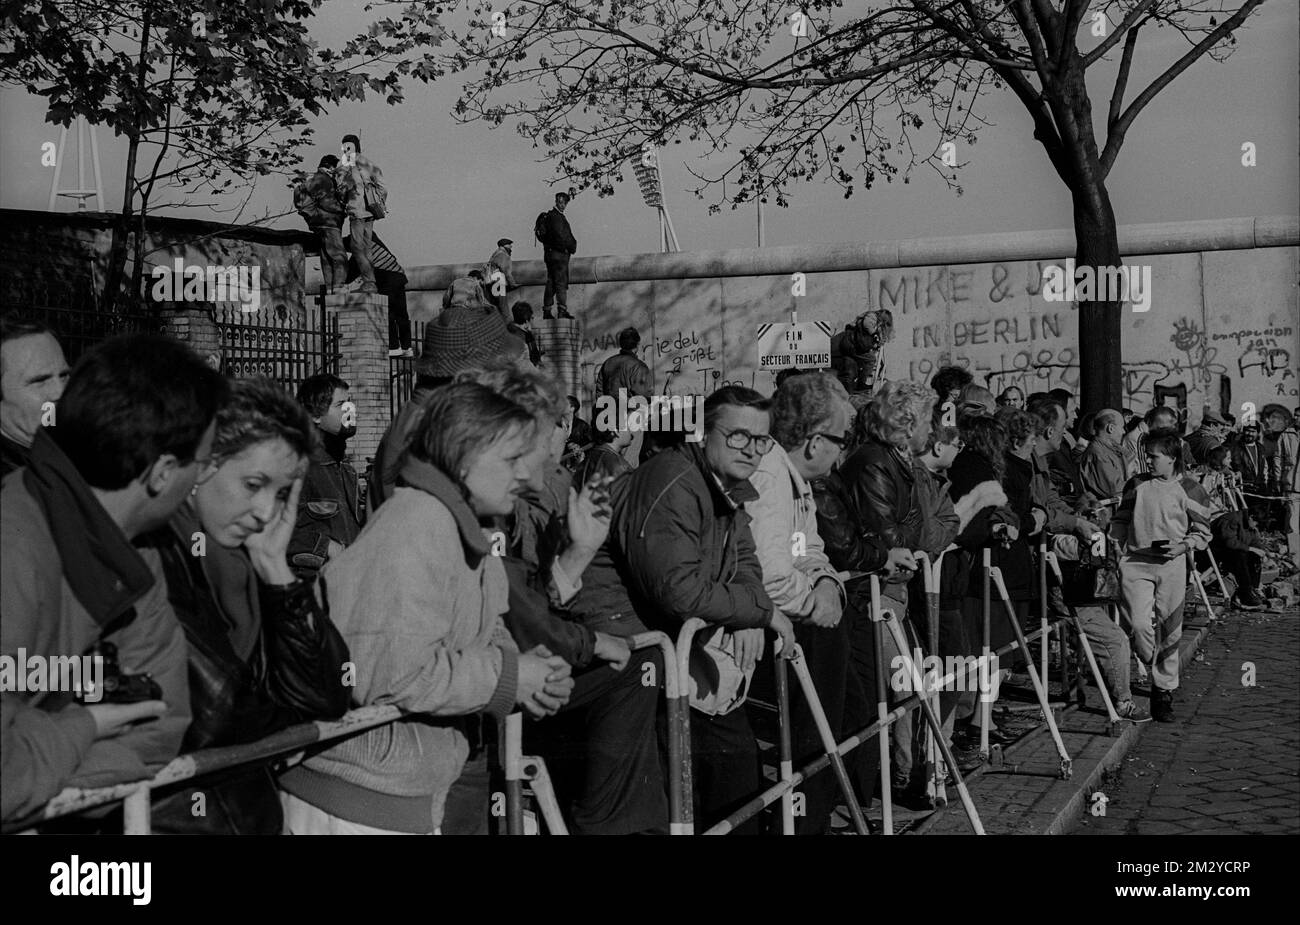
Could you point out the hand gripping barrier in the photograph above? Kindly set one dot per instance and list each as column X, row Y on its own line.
column 520, row 767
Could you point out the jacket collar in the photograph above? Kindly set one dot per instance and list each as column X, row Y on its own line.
column 430, row 479
column 104, row 571
column 731, row 496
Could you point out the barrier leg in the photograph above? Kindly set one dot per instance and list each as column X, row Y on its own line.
column 535, row 770
column 882, row 712
column 135, row 812
column 986, row 703
column 787, row 761
column 828, row 741
column 1218, row 575
column 1200, row 586
column 514, row 754
column 679, row 732
column 932, row 719
column 1066, row 764
column 680, row 709
column 1087, row 649
column 936, row 771
column 1043, row 647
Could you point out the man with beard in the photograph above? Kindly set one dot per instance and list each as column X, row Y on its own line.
column 331, row 509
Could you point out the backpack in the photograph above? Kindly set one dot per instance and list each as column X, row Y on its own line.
column 376, row 197
column 304, row 202
column 539, row 228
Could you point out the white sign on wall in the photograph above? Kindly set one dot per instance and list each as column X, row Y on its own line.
column 805, row 345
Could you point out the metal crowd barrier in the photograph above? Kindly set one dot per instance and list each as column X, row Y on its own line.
column 520, row 767
column 135, row 796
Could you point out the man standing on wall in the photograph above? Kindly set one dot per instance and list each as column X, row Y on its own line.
column 361, row 190
column 558, row 243
column 500, row 279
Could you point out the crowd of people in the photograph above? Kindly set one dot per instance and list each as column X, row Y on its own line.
column 499, row 559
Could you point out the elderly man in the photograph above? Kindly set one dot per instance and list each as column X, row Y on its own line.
column 1102, row 466
column 33, row 374
column 811, row 416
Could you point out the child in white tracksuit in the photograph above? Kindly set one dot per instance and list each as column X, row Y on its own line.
column 1158, row 522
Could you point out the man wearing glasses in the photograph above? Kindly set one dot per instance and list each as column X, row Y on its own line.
column 682, row 547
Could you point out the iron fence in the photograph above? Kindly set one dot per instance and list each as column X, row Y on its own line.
column 401, row 373
column 78, row 324
column 278, row 346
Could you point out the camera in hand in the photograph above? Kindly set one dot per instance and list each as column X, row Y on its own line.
column 118, row 686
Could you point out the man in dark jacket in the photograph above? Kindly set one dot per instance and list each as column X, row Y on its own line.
column 680, row 547
column 319, row 205
column 558, row 245
column 331, row 510
column 624, row 370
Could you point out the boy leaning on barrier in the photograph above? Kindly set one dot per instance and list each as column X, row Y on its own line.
column 135, row 427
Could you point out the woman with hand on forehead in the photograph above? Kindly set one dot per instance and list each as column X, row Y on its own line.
column 263, row 654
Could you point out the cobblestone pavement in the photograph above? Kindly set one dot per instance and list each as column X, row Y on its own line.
column 1231, row 763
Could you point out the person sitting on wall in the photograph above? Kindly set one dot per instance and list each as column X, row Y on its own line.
column 391, row 281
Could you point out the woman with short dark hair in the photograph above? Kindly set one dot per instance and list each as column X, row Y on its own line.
column 263, row 654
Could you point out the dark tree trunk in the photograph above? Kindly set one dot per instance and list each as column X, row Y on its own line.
column 1101, row 368
column 122, row 227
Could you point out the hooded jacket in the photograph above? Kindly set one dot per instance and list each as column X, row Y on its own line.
column 419, row 600
column 69, row 577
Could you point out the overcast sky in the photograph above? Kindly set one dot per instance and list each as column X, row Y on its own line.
column 454, row 189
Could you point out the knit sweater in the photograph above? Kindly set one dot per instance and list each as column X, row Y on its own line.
column 419, row 601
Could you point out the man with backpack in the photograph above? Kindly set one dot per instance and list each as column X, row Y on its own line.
column 558, row 243
column 364, row 197
column 317, row 202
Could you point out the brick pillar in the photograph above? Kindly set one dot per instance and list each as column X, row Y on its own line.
column 560, row 341
column 363, row 343
column 196, row 328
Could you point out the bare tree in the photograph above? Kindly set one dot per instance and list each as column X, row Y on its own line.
column 822, row 90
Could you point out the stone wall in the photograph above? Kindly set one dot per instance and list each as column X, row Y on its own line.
column 1223, row 320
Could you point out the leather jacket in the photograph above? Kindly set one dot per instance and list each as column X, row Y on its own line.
column 330, row 507
column 246, row 681
column 879, row 486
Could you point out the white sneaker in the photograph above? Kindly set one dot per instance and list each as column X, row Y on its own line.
column 408, row 352
column 397, row 352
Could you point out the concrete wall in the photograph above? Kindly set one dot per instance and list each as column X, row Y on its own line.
column 1223, row 320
